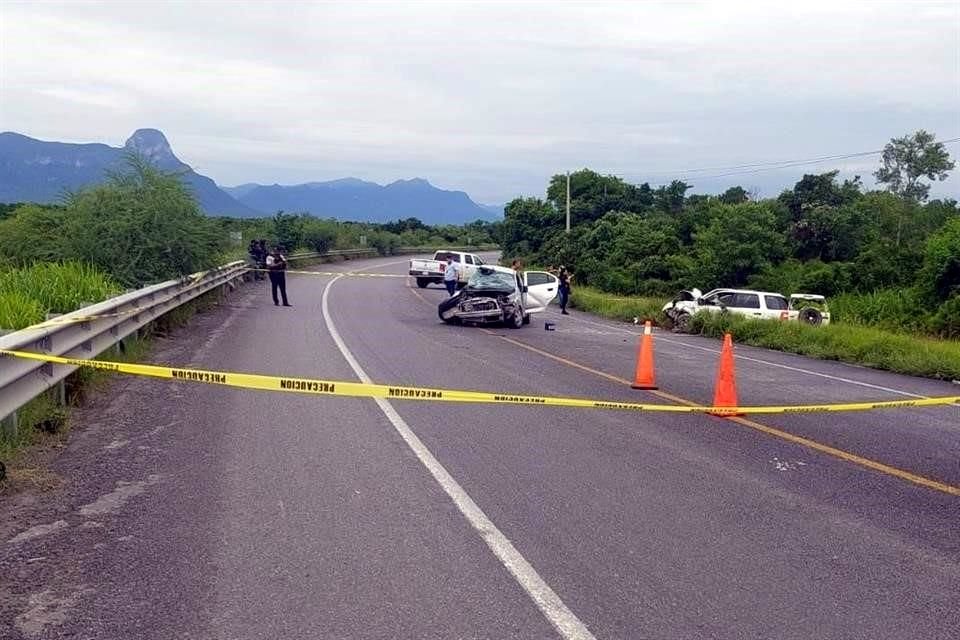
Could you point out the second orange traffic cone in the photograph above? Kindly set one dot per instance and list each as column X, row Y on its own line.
column 725, row 392
column 644, row 376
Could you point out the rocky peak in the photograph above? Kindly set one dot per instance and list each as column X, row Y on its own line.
column 152, row 144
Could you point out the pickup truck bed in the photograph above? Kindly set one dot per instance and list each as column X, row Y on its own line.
column 431, row 271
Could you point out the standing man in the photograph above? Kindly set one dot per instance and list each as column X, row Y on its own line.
column 564, row 288
column 277, row 267
column 262, row 254
column 450, row 275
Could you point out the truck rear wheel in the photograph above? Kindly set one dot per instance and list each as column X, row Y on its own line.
column 423, row 282
column 811, row 316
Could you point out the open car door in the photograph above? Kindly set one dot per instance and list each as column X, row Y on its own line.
column 541, row 289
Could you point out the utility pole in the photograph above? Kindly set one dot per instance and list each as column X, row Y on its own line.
column 568, row 202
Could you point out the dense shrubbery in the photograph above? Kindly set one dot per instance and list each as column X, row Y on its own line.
column 303, row 231
column 887, row 259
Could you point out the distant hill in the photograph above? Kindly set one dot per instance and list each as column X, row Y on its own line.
column 38, row 171
column 495, row 210
column 353, row 199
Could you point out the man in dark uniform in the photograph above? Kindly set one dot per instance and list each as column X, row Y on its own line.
column 277, row 267
column 564, row 288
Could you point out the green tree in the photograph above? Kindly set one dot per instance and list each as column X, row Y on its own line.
column 141, row 226
column 740, row 241
column 735, row 195
column 907, row 160
column 32, row 233
column 593, row 195
column 939, row 278
column 817, row 190
column 288, row 230
column 525, row 224
column 670, row 198
column 318, row 235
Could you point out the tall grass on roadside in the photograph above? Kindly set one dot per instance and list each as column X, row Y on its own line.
column 18, row 310
column 870, row 347
column 624, row 308
column 893, row 309
column 28, row 294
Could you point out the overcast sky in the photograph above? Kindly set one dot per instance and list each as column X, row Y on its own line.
column 491, row 98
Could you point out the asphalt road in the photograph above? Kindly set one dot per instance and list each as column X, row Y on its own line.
column 192, row 511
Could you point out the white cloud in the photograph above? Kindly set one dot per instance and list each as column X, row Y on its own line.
column 488, row 97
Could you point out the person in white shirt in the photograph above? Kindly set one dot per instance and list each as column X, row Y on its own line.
column 277, row 267
column 450, row 275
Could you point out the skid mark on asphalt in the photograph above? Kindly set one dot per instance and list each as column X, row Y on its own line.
column 868, row 463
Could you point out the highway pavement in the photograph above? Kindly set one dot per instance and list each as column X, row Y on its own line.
column 192, row 511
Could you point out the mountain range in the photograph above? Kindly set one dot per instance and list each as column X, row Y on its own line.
column 355, row 199
column 34, row 170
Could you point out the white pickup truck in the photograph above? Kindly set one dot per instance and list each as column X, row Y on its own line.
column 427, row 271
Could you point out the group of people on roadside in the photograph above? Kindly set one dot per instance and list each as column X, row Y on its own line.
column 274, row 264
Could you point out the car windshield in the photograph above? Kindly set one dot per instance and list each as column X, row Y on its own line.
column 490, row 279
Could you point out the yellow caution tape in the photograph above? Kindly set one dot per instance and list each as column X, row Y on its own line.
column 336, row 273
column 431, row 394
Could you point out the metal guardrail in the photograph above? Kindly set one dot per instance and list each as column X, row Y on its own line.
column 345, row 253
column 90, row 331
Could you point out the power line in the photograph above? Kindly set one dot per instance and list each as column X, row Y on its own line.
column 757, row 167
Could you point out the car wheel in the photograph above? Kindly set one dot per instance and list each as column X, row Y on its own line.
column 422, row 282
column 682, row 322
column 516, row 320
column 811, row 316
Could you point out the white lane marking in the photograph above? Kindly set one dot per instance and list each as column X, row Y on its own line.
column 660, row 338
column 563, row 620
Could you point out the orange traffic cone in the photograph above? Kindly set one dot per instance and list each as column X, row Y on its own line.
column 725, row 392
column 644, row 377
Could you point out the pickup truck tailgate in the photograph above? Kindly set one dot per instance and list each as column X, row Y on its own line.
column 427, row 267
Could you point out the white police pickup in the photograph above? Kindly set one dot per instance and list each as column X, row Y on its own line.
column 427, row 271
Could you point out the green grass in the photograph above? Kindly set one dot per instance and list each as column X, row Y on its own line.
column 893, row 309
column 38, row 418
column 624, row 308
column 843, row 341
column 866, row 346
column 28, row 294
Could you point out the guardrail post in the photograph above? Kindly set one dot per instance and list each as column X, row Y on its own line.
column 8, row 426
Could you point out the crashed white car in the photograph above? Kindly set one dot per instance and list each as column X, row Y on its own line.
column 499, row 294
column 762, row 305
